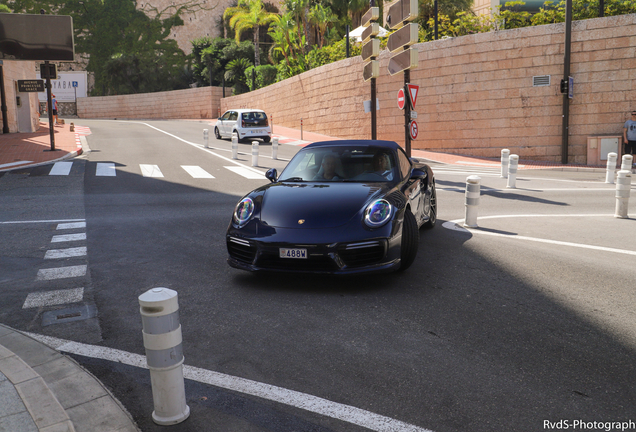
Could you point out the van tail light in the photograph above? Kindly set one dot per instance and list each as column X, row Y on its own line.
column 243, row 123
column 266, row 122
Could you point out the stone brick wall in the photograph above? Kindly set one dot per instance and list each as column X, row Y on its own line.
column 476, row 92
column 194, row 103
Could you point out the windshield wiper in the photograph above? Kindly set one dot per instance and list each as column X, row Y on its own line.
column 293, row 179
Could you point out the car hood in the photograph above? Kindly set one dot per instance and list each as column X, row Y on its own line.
column 318, row 205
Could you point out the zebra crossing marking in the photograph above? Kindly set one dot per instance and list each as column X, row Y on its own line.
column 61, row 272
column 71, row 225
column 245, row 172
column 150, row 171
column 105, row 169
column 68, row 237
column 65, row 253
column 53, row 298
column 61, row 168
column 197, row 171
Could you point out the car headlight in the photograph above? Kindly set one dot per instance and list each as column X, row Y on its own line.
column 243, row 211
column 377, row 213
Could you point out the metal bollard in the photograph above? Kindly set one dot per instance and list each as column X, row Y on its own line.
column 512, row 171
column 301, row 128
column 254, row 153
column 234, row 146
column 274, row 148
column 627, row 161
column 611, row 168
column 473, row 190
column 159, row 308
column 206, row 138
column 623, row 186
column 505, row 160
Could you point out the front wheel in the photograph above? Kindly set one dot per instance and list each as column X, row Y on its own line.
column 266, row 139
column 410, row 240
column 217, row 134
column 432, row 212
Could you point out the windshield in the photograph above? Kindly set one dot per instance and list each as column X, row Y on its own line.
column 333, row 164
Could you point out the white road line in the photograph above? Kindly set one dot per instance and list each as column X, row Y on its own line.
column 53, row 298
column 71, row 225
column 61, row 168
column 457, row 225
column 42, row 221
column 65, row 253
column 62, row 272
column 105, row 169
column 150, row 171
column 197, row 171
column 327, row 408
column 68, row 237
column 247, row 173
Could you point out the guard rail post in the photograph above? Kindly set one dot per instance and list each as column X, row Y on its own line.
column 159, row 308
column 234, row 146
column 512, row 171
column 473, row 190
column 505, row 160
column 623, row 186
column 274, row 148
column 254, row 153
column 610, row 168
column 627, row 161
column 206, row 138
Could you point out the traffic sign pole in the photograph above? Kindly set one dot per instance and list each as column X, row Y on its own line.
column 407, row 115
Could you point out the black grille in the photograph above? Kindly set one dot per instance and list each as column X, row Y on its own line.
column 362, row 254
column 241, row 250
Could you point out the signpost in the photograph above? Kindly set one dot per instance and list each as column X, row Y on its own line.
column 370, row 51
column 401, row 13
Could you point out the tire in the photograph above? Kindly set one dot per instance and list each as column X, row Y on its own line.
column 237, row 136
column 410, row 240
column 266, row 139
column 216, row 133
column 432, row 213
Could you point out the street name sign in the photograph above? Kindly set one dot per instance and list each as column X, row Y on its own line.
column 370, row 49
column 403, row 61
column 369, row 32
column 371, row 15
column 30, row 86
column 371, row 70
column 400, row 11
column 406, row 36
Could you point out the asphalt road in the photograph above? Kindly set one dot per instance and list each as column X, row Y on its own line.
column 528, row 319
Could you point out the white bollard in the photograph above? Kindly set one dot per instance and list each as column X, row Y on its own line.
column 159, row 308
column 473, row 190
column 234, row 146
column 274, row 148
column 627, row 161
column 611, row 168
column 505, row 159
column 254, row 153
column 512, row 171
column 206, row 138
column 623, row 186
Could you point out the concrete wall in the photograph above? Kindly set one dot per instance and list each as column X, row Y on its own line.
column 476, row 92
column 194, row 103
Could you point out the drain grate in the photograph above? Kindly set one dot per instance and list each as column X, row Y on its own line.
column 77, row 313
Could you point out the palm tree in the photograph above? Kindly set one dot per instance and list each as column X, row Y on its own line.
column 235, row 72
column 250, row 15
column 282, row 32
column 320, row 17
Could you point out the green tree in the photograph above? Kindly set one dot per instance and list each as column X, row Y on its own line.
column 320, row 17
column 235, row 72
column 250, row 15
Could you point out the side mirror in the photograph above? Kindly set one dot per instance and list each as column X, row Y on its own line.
column 418, row 174
column 271, row 174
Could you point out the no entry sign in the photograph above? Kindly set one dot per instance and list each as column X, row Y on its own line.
column 413, row 129
column 401, row 99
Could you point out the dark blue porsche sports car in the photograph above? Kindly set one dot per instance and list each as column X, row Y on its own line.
column 340, row 207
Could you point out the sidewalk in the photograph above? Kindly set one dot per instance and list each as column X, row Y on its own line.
column 42, row 390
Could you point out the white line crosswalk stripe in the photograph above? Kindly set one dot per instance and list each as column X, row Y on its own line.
column 150, row 171
column 246, row 172
column 53, row 298
column 105, row 170
column 61, row 169
column 61, row 272
column 65, row 253
column 68, row 237
column 71, row 225
column 197, row 171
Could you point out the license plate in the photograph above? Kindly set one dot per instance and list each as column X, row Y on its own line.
column 293, row 253
column 258, row 131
